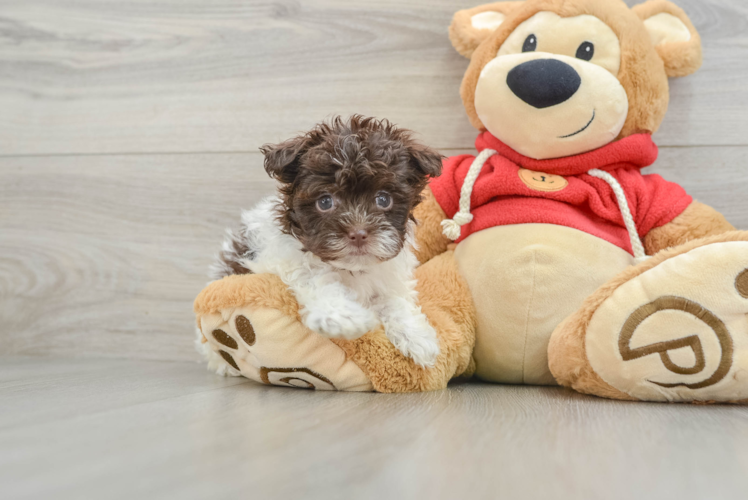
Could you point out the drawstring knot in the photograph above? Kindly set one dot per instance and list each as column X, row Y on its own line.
column 452, row 228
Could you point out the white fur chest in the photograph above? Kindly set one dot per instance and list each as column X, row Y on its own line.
column 394, row 276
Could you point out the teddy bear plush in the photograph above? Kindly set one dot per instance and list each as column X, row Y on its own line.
column 548, row 257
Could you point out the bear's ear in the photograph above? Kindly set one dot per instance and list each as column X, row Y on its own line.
column 673, row 35
column 471, row 26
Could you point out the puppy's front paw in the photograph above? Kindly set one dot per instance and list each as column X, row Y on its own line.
column 348, row 320
column 416, row 342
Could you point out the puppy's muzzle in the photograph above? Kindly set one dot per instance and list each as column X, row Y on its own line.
column 543, row 83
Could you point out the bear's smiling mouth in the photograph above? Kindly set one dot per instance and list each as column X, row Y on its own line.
column 582, row 129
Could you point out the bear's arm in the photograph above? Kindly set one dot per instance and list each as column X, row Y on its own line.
column 696, row 221
column 430, row 241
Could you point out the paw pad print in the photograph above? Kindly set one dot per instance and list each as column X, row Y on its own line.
column 272, row 347
column 680, row 328
column 245, row 332
column 303, row 378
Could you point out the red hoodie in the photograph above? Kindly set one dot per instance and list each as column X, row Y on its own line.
column 514, row 189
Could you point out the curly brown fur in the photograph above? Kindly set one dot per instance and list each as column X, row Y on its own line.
column 352, row 161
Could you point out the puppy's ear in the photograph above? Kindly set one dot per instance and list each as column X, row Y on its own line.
column 425, row 160
column 471, row 26
column 282, row 160
column 673, row 35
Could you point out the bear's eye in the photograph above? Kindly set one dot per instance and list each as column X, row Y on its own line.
column 586, row 51
column 531, row 44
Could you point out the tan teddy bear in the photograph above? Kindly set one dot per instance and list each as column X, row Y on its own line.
column 547, row 258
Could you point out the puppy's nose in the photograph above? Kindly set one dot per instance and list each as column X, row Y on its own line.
column 358, row 237
column 543, row 83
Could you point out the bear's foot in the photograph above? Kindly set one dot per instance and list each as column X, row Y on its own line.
column 249, row 325
column 674, row 328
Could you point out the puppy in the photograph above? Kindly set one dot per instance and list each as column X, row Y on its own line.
column 340, row 231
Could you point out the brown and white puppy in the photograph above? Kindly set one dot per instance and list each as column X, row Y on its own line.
column 340, row 231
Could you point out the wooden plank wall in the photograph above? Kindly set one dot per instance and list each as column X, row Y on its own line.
column 129, row 132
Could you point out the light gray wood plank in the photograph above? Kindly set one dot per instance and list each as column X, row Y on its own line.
column 229, row 75
column 124, row 429
column 101, row 256
column 36, row 391
column 104, row 255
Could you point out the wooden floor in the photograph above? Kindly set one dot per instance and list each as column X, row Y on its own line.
column 123, row 429
column 129, row 135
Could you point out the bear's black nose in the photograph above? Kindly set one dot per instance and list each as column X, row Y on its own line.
column 543, row 83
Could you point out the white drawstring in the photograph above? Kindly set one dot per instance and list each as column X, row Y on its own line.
column 451, row 227
column 623, row 206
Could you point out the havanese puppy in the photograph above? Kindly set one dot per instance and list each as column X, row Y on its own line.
column 340, row 231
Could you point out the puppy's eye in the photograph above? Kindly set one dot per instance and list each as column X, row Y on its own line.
column 325, row 203
column 384, row 200
column 586, row 51
column 531, row 44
